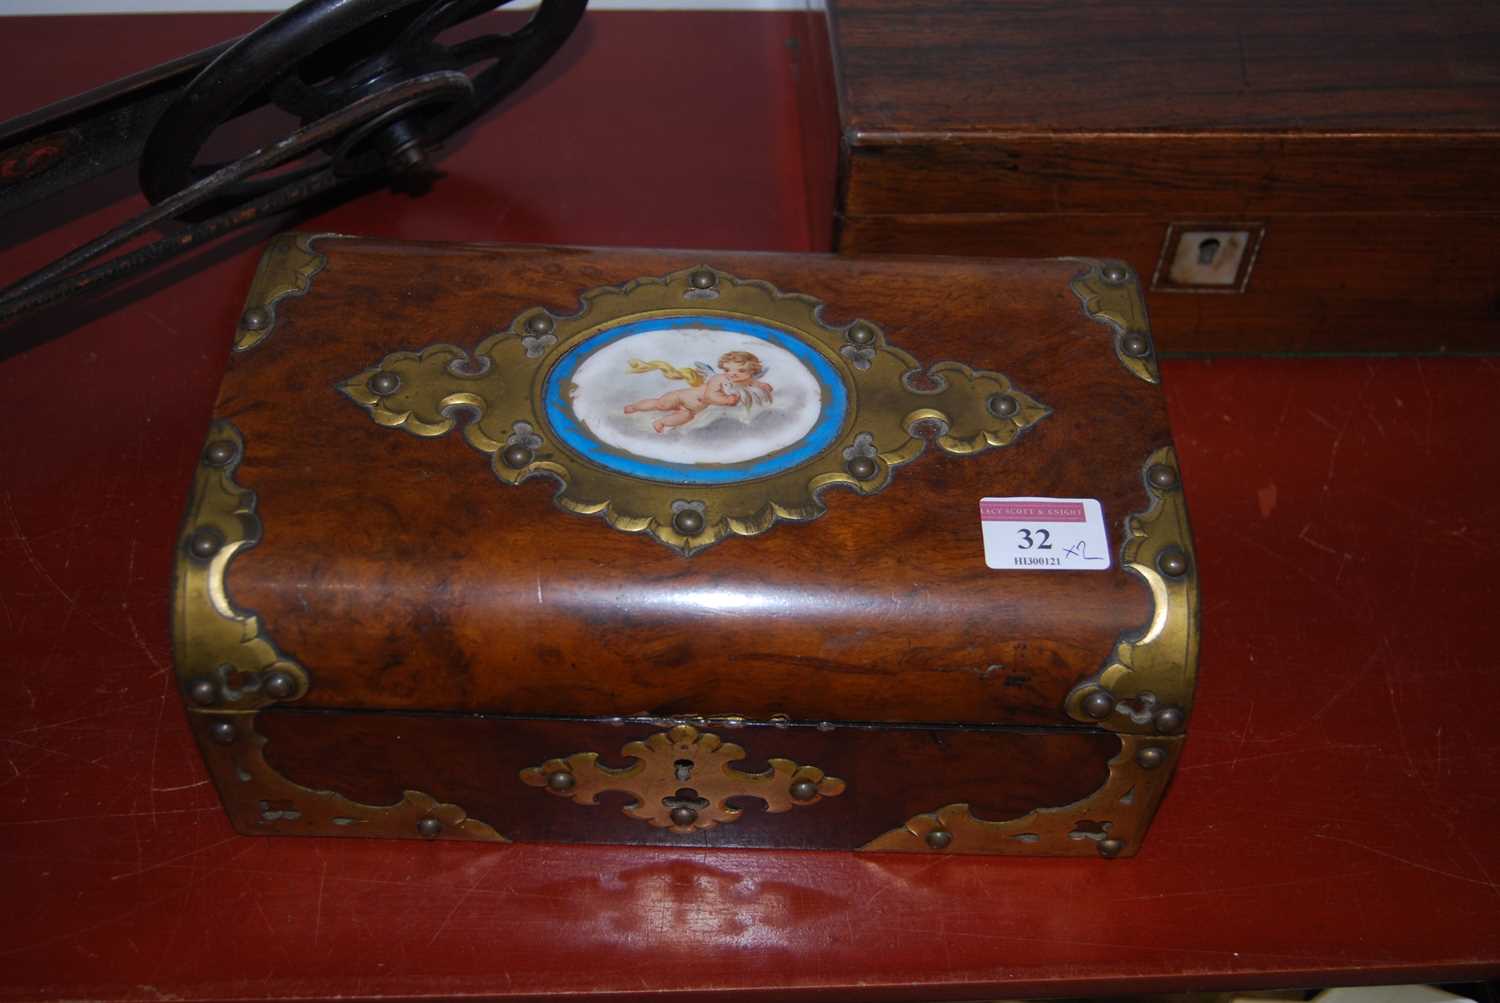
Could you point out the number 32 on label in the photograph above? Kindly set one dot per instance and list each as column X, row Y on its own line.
column 1044, row 534
column 1042, row 542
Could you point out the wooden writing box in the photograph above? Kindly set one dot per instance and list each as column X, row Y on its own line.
column 1285, row 177
column 515, row 543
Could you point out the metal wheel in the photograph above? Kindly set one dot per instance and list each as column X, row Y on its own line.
column 320, row 56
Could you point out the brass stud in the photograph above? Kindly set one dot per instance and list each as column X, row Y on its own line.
column 257, row 318
column 688, row 522
column 1110, row 848
column 205, row 542
column 517, row 456
column 939, row 839
column 1172, row 562
column 1162, row 476
column 684, row 816
column 804, row 790
column 1151, row 757
column 385, row 383
column 220, row 453
column 1115, row 274
column 862, row 468
column 861, row 334
column 703, row 279
column 539, row 323
column 1135, row 345
column 203, row 691
column 1098, row 705
column 1169, row 720
column 560, row 780
column 1003, row 405
column 222, row 732
column 279, row 685
column 429, row 828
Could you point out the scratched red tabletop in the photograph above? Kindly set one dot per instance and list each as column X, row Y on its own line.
column 1335, row 818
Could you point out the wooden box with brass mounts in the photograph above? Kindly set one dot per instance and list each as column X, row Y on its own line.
column 708, row 549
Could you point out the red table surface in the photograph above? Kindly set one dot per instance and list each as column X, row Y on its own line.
column 1335, row 817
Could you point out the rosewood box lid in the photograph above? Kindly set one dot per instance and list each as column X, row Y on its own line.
column 1286, row 177
column 1228, row 107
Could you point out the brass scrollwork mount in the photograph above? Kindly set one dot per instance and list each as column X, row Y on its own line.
column 682, row 780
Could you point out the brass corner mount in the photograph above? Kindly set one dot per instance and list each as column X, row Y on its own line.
column 1111, row 295
column 1146, row 686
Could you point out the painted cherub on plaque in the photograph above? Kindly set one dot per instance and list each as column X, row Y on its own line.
column 694, row 406
column 638, row 398
column 737, row 382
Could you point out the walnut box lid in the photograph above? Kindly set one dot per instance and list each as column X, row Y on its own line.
column 560, row 483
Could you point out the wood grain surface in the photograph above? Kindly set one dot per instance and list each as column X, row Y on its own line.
column 1322, row 281
column 933, row 66
column 1186, row 174
column 891, row 773
column 402, row 574
column 1365, row 137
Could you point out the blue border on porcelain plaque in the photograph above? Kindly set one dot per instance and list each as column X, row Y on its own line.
column 574, row 435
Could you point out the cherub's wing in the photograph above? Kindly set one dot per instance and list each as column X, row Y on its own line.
column 744, row 401
column 705, row 370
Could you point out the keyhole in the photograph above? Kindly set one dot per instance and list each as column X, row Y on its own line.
column 684, row 769
column 1208, row 250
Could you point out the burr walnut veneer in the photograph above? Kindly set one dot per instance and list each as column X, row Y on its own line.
column 558, row 544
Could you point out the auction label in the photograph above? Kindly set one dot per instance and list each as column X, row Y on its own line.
column 1044, row 534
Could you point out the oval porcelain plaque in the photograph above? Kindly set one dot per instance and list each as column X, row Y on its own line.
column 695, row 399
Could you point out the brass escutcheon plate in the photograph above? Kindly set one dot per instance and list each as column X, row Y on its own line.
column 682, row 780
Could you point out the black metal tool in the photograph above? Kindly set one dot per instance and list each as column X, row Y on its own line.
column 370, row 81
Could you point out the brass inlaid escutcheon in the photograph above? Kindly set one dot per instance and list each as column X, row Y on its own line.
column 681, row 780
